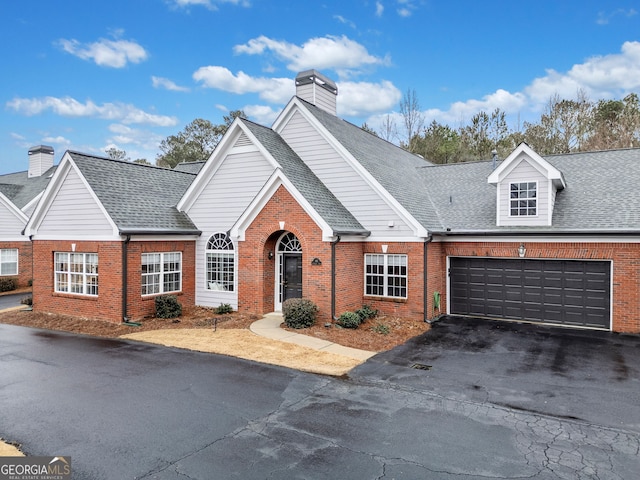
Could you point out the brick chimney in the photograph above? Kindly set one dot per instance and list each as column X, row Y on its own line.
column 318, row 90
column 40, row 160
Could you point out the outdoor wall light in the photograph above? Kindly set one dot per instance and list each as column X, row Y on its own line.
column 316, row 261
column 270, row 255
column 522, row 250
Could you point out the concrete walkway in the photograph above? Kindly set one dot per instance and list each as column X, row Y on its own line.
column 269, row 327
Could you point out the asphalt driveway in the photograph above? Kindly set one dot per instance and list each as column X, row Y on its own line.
column 583, row 375
column 122, row 409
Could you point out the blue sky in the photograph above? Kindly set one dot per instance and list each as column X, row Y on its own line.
column 88, row 75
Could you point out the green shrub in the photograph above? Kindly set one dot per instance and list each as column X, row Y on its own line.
column 224, row 308
column 366, row 312
column 299, row 312
column 27, row 301
column 349, row 320
column 381, row 328
column 168, row 306
column 8, row 284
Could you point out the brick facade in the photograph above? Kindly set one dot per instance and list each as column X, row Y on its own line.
column 108, row 304
column 25, row 258
column 256, row 272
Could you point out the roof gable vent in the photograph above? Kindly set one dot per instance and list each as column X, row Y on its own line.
column 318, row 90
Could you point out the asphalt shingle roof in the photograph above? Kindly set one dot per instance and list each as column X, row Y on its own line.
column 601, row 194
column 21, row 189
column 139, row 198
column 309, row 185
column 394, row 168
column 189, row 167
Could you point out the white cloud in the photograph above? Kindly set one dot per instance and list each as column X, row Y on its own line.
column 605, row 17
column 261, row 114
column 379, row 9
column 106, row 53
column 209, row 4
column 330, row 52
column 606, row 76
column 274, row 90
column 138, row 143
column 70, row 107
column 58, row 140
column 357, row 99
column 165, row 83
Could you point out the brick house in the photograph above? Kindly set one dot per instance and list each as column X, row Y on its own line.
column 19, row 195
column 316, row 207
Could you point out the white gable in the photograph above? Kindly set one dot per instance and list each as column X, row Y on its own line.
column 526, row 187
column 12, row 221
column 69, row 209
column 345, row 177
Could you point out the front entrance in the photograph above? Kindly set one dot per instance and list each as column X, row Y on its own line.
column 289, row 269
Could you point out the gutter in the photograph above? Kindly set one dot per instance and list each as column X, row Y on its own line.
column 130, row 232
column 532, row 233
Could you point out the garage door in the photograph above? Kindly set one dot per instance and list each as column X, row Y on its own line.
column 564, row 292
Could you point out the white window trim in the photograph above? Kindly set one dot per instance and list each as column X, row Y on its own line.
column 161, row 274
column 58, row 285
column 220, row 286
column 537, row 199
column 4, row 263
column 385, row 275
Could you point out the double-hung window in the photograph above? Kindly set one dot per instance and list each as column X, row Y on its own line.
column 523, row 199
column 9, row 261
column 161, row 272
column 385, row 275
column 220, row 263
column 76, row 273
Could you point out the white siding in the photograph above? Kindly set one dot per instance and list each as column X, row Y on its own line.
column 318, row 96
column 75, row 212
column 10, row 225
column 235, row 184
column 347, row 185
column 524, row 172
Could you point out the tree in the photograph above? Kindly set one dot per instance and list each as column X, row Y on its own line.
column 412, row 117
column 438, row 143
column 563, row 127
column 615, row 124
column 115, row 154
column 142, row 161
column 485, row 134
column 368, row 129
column 388, row 130
column 195, row 143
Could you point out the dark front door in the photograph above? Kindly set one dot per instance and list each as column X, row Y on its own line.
column 292, row 276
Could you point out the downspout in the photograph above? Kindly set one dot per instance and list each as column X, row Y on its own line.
column 124, row 262
column 333, row 276
column 125, row 269
column 425, row 292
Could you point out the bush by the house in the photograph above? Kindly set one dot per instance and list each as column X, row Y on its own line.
column 349, row 320
column 299, row 312
column 224, row 308
column 366, row 312
column 381, row 328
column 27, row 301
column 168, row 306
column 8, row 284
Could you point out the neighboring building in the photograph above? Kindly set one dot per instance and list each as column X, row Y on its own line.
column 316, row 207
column 19, row 194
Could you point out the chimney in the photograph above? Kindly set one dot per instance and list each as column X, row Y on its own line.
column 318, row 90
column 40, row 160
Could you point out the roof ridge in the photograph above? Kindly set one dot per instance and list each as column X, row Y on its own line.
column 126, row 162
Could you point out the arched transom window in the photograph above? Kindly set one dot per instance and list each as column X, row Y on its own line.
column 220, row 263
column 290, row 244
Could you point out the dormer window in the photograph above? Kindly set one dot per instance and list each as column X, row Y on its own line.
column 523, row 201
